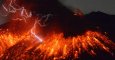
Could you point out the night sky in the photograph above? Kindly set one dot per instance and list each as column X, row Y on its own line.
column 106, row 6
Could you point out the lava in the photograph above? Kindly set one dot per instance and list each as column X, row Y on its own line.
column 29, row 45
column 59, row 47
column 54, row 46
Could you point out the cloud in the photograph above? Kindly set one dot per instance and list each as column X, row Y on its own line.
column 107, row 6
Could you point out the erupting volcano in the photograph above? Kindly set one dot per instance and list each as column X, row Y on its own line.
column 23, row 38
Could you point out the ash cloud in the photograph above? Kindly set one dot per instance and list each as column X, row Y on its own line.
column 106, row 6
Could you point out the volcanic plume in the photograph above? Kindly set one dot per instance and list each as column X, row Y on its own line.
column 25, row 38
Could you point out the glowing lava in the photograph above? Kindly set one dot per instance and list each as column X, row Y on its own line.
column 54, row 46
column 59, row 47
column 16, row 46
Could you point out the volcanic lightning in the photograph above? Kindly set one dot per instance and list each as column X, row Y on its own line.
column 22, row 46
column 23, row 16
column 33, row 32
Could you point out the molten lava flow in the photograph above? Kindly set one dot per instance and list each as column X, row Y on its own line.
column 21, row 41
column 59, row 47
column 54, row 46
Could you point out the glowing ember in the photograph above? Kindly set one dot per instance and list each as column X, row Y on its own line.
column 59, row 47
column 55, row 46
column 26, row 45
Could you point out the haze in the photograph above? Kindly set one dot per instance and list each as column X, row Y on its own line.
column 87, row 6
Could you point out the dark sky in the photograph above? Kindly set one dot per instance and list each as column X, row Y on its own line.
column 107, row 6
column 87, row 6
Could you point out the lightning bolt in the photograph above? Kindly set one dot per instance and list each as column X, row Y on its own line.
column 23, row 16
column 34, row 34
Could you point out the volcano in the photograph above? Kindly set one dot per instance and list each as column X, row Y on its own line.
column 46, row 30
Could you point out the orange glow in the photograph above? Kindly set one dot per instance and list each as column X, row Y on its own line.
column 58, row 47
column 51, row 47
